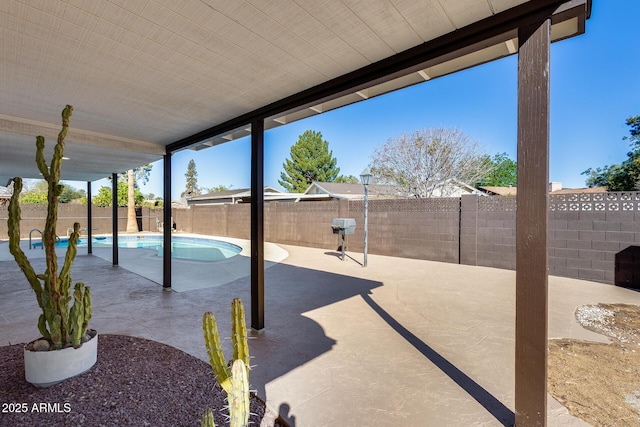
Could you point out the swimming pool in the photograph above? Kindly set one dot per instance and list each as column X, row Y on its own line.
column 192, row 248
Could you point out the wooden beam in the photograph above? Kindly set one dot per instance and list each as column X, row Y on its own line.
column 531, row 225
column 257, row 225
column 499, row 27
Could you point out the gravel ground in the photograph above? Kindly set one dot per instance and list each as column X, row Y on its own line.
column 599, row 382
column 618, row 321
column 135, row 382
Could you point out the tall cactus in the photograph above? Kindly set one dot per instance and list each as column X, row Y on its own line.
column 239, row 396
column 239, row 337
column 214, row 349
column 234, row 380
column 58, row 323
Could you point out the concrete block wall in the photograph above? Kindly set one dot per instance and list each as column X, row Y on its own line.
column 184, row 219
column 426, row 229
column 586, row 231
column 34, row 216
column 496, row 227
column 211, row 220
column 488, row 231
column 422, row 229
column 468, row 230
column 304, row 224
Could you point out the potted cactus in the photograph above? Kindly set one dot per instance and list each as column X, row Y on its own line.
column 67, row 347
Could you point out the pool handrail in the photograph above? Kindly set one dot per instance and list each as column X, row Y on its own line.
column 41, row 237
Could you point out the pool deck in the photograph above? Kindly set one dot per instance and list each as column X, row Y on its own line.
column 187, row 275
column 402, row 342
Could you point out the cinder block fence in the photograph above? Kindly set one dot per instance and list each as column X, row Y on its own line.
column 586, row 230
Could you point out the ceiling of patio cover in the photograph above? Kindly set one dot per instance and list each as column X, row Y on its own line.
column 142, row 74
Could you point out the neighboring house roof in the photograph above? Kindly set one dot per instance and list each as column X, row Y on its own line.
column 451, row 188
column 580, row 190
column 339, row 190
column 239, row 195
column 500, row 191
column 455, row 188
column 243, row 195
column 318, row 191
column 512, row 191
column 236, row 192
column 179, row 204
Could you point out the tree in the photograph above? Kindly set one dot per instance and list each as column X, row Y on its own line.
column 38, row 194
column 347, row 179
column 70, row 194
column 626, row 175
column 310, row 161
column 424, row 163
column 103, row 198
column 132, row 194
column 192, row 188
column 218, row 188
column 503, row 172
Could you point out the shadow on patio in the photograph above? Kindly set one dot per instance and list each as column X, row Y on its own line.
column 129, row 304
column 503, row 414
column 397, row 343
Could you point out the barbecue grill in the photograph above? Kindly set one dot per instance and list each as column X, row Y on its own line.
column 343, row 227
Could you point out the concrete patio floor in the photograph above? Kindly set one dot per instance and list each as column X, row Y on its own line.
column 401, row 342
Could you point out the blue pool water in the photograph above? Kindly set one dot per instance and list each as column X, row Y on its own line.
column 194, row 248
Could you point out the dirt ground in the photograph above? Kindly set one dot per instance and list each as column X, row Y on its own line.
column 600, row 383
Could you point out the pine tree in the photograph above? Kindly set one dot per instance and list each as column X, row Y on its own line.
column 310, row 161
column 192, row 188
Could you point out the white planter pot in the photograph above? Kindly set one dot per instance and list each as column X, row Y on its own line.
column 46, row 368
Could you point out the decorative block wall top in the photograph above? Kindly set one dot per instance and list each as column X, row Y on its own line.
column 596, row 202
column 497, row 203
column 623, row 201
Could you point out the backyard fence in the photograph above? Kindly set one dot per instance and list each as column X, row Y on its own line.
column 586, row 230
column 35, row 215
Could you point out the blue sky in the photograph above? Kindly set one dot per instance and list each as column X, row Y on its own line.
column 595, row 86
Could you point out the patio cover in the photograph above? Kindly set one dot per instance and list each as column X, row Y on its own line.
column 144, row 74
column 151, row 77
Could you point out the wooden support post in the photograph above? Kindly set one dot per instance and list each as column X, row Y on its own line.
column 531, row 225
column 167, row 224
column 257, row 225
column 114, row 219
